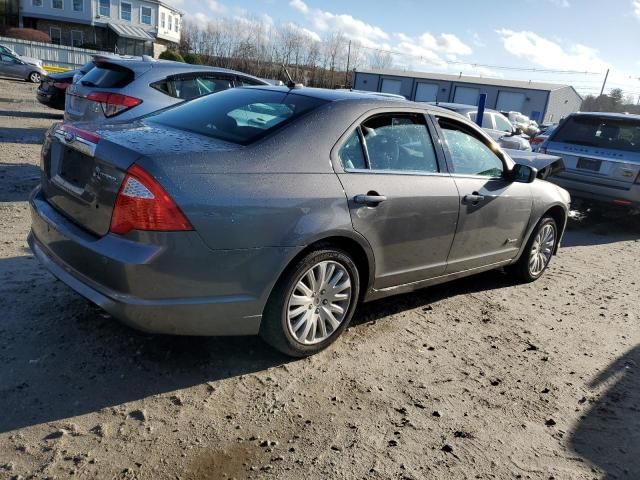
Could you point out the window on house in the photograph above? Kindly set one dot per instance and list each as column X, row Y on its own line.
column 77, row 38
column 36, row 3
column 105, row 8
column 170, row 23
column 177, row 24
column 125, row 11
column 163, row 20
column 56, row 35
column 145, row 15
column 78, row 5
column 58, row 4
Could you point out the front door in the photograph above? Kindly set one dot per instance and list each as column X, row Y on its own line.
column 400, row 199
column 494, row 212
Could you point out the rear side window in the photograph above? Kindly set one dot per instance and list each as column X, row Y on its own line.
column 351, row 153
column 238, row 115
column 108, row 76
column 190, row 87
column 244, row 82
column 600, row 132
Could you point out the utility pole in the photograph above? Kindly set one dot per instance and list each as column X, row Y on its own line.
column 605, row 82
column 346, row 74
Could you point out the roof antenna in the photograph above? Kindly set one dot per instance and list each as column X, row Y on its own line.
column 290, row 83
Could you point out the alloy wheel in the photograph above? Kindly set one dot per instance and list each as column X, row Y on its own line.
column 319, row 302
column 542, row 250
column 35, row 77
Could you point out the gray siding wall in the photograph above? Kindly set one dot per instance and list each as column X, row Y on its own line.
column 535, row 100
column 56, row 55
column 562, row 102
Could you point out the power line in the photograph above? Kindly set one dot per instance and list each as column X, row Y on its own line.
column 497, row 67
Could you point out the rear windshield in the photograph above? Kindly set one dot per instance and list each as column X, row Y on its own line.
column 108, row 76
column 238, row 115
column 600, row 132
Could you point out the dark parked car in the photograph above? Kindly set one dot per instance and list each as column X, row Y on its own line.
column 53, row 87
column 126, row 88
column 601, row 153
column 276, row 211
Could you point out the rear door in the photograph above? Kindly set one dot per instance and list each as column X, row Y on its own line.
column 494, row 212
column 598, row 151
column 401, row 199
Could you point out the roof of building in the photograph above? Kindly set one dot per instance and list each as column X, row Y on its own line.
column 500, row 82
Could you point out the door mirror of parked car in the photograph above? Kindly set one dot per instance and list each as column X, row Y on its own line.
column 523, row 174
column 516, row 131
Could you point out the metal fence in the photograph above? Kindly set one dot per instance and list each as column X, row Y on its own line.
column 56, row 55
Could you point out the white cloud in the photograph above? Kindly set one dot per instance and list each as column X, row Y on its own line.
column 216, row 7
column 299, row 5
column 636, row 7
column 304, row 31
column 551, row 55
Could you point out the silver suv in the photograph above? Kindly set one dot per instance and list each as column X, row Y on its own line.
column 601, row 153
column 125, row 88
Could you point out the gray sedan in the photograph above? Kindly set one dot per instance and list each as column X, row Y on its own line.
column 276, row 211
column 16, row 67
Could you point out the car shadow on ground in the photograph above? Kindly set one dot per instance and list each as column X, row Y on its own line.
column 45, row 115
column 32, row 136
column 20, row 179
column 608, row 434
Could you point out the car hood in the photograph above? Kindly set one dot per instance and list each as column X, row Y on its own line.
column 31, row 61
column 546, row 165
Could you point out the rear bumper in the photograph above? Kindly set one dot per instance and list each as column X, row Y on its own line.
column 156, row 288
column 599, row 193
column 51, row 99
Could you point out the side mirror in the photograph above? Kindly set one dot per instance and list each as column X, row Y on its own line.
column 517, row 131
column 523, row 174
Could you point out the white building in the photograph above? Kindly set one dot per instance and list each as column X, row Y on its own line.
column 133, row 27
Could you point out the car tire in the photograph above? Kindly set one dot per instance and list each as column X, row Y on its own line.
column 301, row 319
column 538, row 252
column 34, row 77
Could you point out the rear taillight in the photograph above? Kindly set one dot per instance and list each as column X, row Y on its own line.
column 536, row 141
column 61, row 85
column 142, row 204
column 113, row 103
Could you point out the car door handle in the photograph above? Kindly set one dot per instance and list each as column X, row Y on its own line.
column 473, row 198
column 369, row 199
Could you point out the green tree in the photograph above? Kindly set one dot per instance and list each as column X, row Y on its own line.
column 171, row 55
column 193, row 59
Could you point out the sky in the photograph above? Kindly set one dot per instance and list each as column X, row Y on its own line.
column 471, row 36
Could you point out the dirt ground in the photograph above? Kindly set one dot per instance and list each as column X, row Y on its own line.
column 481, row 378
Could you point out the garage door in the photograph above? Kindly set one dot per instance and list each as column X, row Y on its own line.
column 426, row 92
column 510, row 102
column 391, row 86
column 466, row 96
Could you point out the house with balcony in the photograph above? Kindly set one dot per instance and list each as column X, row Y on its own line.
column 128, row 27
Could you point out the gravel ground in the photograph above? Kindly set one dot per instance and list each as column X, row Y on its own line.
column 480, row 378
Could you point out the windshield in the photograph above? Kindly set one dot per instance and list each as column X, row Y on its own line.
column 600, row 132
column 241, row 115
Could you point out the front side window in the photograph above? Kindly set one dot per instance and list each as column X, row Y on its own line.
column 57, row 4
column 145, row 15
column 351, row 153
column 399, row 142
column 105, row 8
column 125, row 11
column 502, row 123
column 469, row 154
column 78, row 5
column 8, row 59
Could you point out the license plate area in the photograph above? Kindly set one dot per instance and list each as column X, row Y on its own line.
column 589, row 164
column 75, row 167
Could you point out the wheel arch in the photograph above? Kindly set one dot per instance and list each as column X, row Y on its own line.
column 559, row 215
